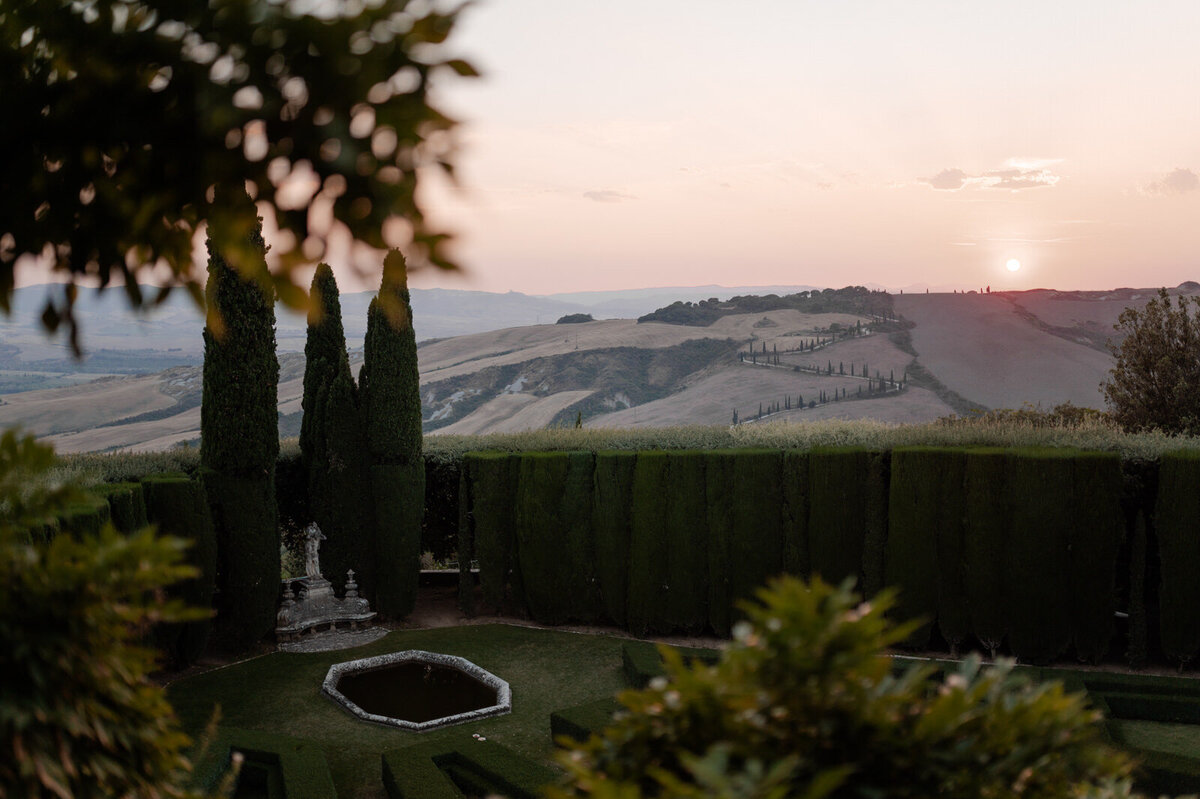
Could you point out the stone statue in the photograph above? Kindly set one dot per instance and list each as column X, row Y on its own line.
column 312, row 543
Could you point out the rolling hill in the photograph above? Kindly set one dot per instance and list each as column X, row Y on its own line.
column 942, row 353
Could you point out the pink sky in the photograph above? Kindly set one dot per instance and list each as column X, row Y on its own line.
column 624, row 144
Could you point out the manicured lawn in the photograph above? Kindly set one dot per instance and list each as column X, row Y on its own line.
column 281, row 692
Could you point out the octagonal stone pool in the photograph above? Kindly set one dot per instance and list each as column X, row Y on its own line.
column 417, row 690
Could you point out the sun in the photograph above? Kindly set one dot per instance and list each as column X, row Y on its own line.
column 1012, row 265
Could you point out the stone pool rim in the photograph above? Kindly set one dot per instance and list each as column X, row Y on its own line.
column 338, row 670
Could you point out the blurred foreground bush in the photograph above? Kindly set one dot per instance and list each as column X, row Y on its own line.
column 78, row 715
column 804, row 704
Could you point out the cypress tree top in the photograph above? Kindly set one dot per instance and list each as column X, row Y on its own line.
column 239, row 411
column 324, row 354
column 390, row 380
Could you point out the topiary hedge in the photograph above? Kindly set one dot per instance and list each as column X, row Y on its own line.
column 492, row 479
column 648, row 546
column 847, row 504
column 177, row 506
column 126, row 505
column 445, row 771
column 921, row 513
column 552, row 519
column 685, row 592
column 985, row 529
column 248, row 563
column 611, row 522
column 1176, row 520
column 1037, row 557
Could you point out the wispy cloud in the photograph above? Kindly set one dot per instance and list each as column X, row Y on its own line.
column 1017, row 174
column 1177, row 181
column 608, row 196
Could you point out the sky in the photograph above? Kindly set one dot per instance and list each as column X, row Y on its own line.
column 621, row 144
column 618, row 144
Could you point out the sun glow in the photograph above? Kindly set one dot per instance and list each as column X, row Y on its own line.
column 1012, row 265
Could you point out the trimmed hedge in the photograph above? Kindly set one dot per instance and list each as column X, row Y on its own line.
column 492, row 478
column 553, row 515
column 648, row 547
column 1096, row 532
column 611, row 522
column 399, row 494
column 1037, row 558
column 579, row 722
column 985, row 530
column 720, row 476
column 756, row 545
column 687, row 578
column 1176, row 521
column 923, row 517
column 794, row 486
column 87, row 517
column 178, row 507
column 298, row 763
column 248, row 566
column 480, row 768
column 847, row 502
column 126, row 505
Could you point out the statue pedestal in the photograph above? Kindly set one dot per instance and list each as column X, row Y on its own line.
column 318, row 609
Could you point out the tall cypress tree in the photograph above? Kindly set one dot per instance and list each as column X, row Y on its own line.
column 239, row 438
column 391, row 401
column 332, row 442
column 324, row 350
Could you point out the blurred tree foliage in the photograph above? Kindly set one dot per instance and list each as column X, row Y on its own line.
column 803, row 703
column 1155, row 383
column 78, row 714
column 120, row 116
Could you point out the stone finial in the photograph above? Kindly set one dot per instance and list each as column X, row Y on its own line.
column 351, row 586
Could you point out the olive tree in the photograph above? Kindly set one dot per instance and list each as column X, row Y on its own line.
column 120, row 116
column 1155, row 382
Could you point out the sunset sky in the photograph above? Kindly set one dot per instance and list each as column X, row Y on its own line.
column 623, row 144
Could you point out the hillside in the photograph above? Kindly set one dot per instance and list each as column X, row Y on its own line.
column 944, row 353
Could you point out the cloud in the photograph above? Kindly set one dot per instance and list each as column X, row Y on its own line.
column 1178, row 181
column 608, row 196
column 1017, row 174
column 1017, row 178
column 948, row 180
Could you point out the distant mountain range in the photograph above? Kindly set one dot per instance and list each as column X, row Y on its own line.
column 109, row 325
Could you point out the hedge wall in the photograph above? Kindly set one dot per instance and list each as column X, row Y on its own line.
column 686, row 586
column 444, row 771
column 178, row 507
column 398, row 491
column 1176, row 521
column 554, row 543
column 1097, row 532
column 756, row 546
column 985, row 529
column 248, row 566
column 847, row 499
column 126, row 505
column 1037, row 557
column 648, row 548
column 612, row 515
column 924, row 524
column 491, row 477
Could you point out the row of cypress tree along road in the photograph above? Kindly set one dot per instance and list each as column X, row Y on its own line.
column 361, row 445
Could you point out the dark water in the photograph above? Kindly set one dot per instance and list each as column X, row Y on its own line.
column 415, row 691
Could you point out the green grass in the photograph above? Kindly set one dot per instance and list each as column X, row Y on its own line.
column 282, row 692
